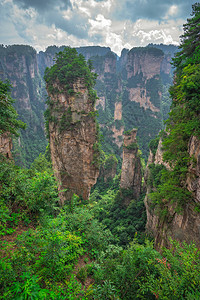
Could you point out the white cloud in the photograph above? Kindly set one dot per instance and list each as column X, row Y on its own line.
column 173, row 10
column 87, row 22
column 99, row 24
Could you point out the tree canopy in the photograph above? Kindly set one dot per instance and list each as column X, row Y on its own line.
column 183, row 121
column 8, row 114
column 70, row 66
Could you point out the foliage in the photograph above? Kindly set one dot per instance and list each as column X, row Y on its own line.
column 124, row 222
column 183, row 121
column 153, row 145
column 132, row 146
column 184, row 116
column 189, row 47
column 145, row 273
column 83, row 223
column 25, row 194
column 68, row 68
column 8, row 121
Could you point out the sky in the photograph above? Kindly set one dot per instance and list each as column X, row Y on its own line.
column 116, row 24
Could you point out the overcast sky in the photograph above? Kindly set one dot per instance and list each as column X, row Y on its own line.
column 115, row 23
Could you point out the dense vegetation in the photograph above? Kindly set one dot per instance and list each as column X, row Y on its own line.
column 8, row 121
column 68, row 68
column 68, row 253
column 18, row 65
column 183, row 119
column 98, row 250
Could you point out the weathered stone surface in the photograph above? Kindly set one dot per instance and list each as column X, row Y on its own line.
column 101, row 101
column 118, row 135
column 131, row 176
column 118, row 111
column 19, row 65
column 193, row 177
column 179, row 226
column 72, row 146
column 5, row 145
column 139, row 94
column 158, row 160
column 141, row 67
column 143, row 62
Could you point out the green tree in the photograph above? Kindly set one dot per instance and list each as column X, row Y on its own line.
column 70, row 66
column 183, row 119
column 190, row 45
column 8, row 115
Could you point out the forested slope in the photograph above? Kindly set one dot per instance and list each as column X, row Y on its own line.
column 173, row 204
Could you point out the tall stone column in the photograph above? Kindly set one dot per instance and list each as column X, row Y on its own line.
column 131, row 176
column 73, row 141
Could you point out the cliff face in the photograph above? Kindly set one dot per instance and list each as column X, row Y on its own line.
column 180, row 226
column 19, row 65
column 109, row 168
column 131, row 176
column 5, row 145
column 73, row 141
column 193, row 177
column 142, row 95
column 128, row 87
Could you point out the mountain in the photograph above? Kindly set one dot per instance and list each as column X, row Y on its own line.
column 73, row 132
column 19, row 65
column 131, row 90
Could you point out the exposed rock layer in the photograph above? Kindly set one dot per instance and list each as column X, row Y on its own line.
column 179, row 226
column 131, row 176
column 132, row 79
column 73, row 143
column 19, row 65
column 5, row 145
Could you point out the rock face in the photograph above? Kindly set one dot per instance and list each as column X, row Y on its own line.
column 5, row 145
column 193, row 177
column 19, row 64
column 179, row 226
column 143, row 69
column 73, row 141
column 131, row 176
column 128, row 87
column 109, row 169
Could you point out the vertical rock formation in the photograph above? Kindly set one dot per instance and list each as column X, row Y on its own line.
column 108, row 169
column 132, row 80
column 18, row 63
column 72, row 131
column 142, row 93
column 131, row 176
column 182, row 226
column 5, row 145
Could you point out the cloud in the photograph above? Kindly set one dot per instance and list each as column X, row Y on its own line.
column 151, row 9
column 43, row 5
column 113, row 23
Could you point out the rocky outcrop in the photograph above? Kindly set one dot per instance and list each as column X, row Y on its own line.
column 5, row 145
column 73, row 141
column 143, row 66
column 132, row 80
column 131, row 175
column 108, row 169
column 183, row 226
column 19, row 65
column 144, row 61
column 193, row 177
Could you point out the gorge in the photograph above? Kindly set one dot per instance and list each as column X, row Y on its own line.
column 106, row 206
